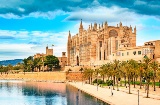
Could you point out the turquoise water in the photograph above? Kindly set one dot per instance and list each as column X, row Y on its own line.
column 14, row 92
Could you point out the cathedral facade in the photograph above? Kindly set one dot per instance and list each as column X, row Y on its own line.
column 97, row 44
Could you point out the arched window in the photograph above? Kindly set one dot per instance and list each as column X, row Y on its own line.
column 113, row 33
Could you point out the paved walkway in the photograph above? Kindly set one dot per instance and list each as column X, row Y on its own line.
column 119, row 97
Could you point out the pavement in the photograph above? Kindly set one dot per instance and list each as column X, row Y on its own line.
column 121, row 97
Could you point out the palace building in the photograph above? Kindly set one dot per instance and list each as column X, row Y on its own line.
column 100, row 44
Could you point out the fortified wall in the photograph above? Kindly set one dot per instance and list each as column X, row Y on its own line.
column 44, row 76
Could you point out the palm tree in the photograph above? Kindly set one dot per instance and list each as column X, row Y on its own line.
column 108, row 69
column 123, row 69
column 140, row 72
column 129, row 72
column 30, row 65
column 116, row 68
column 147, row 72
column 102, row 71
column 134, row 65
column 88, row 73
column 154, row 66
column 158, row 75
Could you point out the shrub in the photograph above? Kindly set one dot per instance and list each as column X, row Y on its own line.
column 109, row 82
column 95, row 81
column 99, row 81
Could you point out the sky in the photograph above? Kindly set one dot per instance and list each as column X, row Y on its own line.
column 28, row 26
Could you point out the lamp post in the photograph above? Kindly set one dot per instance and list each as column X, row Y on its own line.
column 97, row 80
column 138, row 97
column 111, row 91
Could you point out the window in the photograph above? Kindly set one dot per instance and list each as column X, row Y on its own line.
column 100, row 43
column 127, row 53
column 116, row 44
column 113, row 54
column 134, row 52
column 139, row 52
column 99, row 55
column 122, row 54
column 104, row 55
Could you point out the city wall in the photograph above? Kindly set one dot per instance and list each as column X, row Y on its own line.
column 44, row 76
column 36, row 76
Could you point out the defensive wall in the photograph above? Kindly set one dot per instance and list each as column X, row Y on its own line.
column 44, row 76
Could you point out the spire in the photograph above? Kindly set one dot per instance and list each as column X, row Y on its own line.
column 69, row 35
column 91, row 25
column 130, row 27
column 81, row 26
column 95, row 26
column 135, row 30
column 106, row 24
column 102, row 24
column 120, row 24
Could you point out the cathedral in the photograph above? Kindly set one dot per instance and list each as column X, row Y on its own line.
column 99, row 43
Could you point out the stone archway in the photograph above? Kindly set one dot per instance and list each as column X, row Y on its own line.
column 77, row 60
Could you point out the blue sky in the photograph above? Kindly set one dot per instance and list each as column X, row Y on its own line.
column 28, row 26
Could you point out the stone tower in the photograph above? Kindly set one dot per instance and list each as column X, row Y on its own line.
column 68, row 48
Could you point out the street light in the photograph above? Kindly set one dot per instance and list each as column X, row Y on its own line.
column 138, row 97
column 111, row 91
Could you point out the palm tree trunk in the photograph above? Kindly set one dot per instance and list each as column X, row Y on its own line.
column 113, row 84
column 114, row 79
column 117, row 85
column 129, row 85
column 134, row 82
column 125, row 80
column 154, row 83
column 103, row 77
column 140, row 82
column 91, row 80
column 147, row 89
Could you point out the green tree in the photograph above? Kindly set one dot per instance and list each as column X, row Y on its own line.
column 103, row 71
column 123, row 71
column 154, row 66
column 140, row 72
column 148, row 73
column 28, row 64
column 88, row 74
column 37, row 62
column 134, row 66
column 129, row 72
column 116, row 72
column 158, row 76
column 51, row 61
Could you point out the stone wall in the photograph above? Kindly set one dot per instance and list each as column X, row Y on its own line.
column 44, row 76
column 74, row 76
column 37, row 76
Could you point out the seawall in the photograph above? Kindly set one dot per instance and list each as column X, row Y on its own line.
column 37, row 76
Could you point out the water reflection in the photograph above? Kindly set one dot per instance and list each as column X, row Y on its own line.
column 42, row 93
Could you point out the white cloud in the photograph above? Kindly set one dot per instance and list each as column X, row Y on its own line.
column 139, row 2
column 101, row 14
column 21, row 9
column 48, row 15
column 28, row 43
column 10, row 16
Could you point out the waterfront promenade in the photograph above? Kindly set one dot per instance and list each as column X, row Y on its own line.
column 119, row 97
